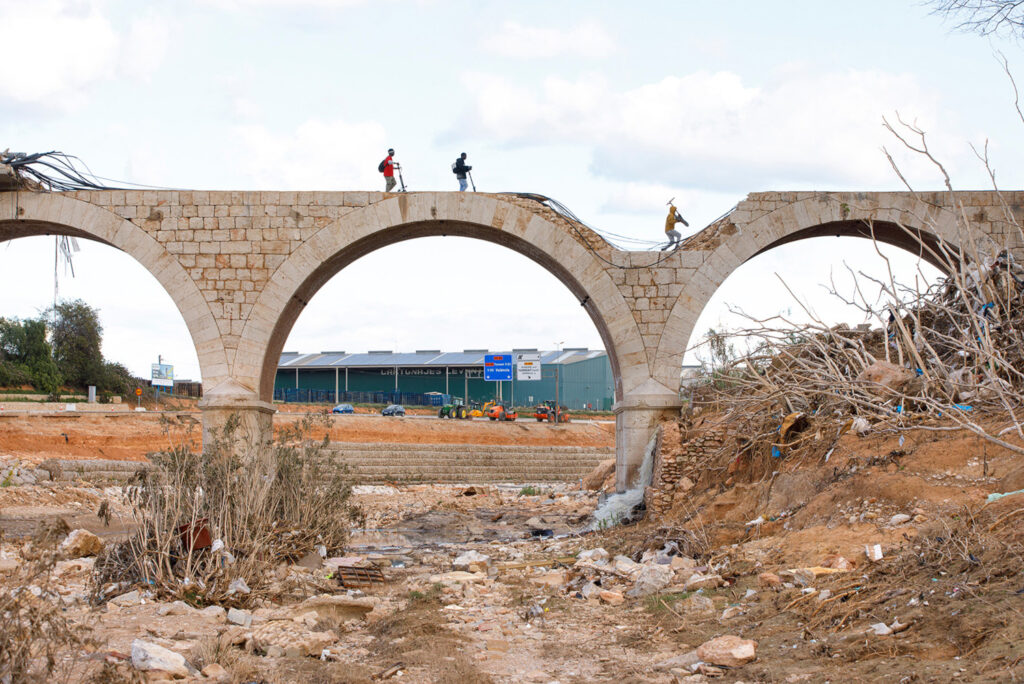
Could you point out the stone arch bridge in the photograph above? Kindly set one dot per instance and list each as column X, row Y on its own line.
column 241, row 266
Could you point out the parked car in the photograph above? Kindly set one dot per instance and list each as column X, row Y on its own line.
column 343, row 408
column 393, row 410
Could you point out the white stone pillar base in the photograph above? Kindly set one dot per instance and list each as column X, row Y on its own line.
column 636, row 418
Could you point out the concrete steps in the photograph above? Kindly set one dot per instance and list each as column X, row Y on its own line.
column 468, row 463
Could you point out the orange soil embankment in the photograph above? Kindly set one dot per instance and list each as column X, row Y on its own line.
column 129, row 437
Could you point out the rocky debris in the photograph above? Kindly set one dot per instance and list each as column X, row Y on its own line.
column 697, row 606
column 15, row 473
column 597, row 555
column 899, row 519
column 285, row 638
column 150, row 657
column 80, row 543
column 626, row 565
column 612, row 598
column 596, row 479
column 769, row 580
column 457, row 577
column 131, row 598
column 685, row 661
column 337, row 607
column 555, row 579
column 651, row 579
column 472, row 561
column 699, row 581
column 731, row 612
column 214, row 613
column 216, row 672
column 177, row 608
column 237, row 616
column 728, row 651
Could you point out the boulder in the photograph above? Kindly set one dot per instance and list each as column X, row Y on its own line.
column 176, row 608
column 150, row 657
column 685, row 661
column 590, row 590
column 237, row 616
column 626, row 565
column 594, row 481
column 80, row 543
column 130, row 598
column 651, row 579
column 728, row 651
column 457, row 577
column 214, row 613
column 337, row 607
column 683, row 563
column 699, row 581
column 612, row 598
column 769, row 580
column 731, row 612
column 597, row 555
column 899, row 519
column 472, row 561
column 555, row 579
column 216, row 672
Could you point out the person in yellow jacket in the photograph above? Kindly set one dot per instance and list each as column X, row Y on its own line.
column 673, row 217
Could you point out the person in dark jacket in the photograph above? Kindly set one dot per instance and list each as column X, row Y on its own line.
column 461, row 169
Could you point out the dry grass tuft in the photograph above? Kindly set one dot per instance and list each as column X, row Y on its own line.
column 261, row 506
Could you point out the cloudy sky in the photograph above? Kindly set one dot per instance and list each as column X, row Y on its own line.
column 610, row 107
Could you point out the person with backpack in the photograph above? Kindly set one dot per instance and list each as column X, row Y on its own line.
column 673, row 217
column 387, row 167
column 460, row 169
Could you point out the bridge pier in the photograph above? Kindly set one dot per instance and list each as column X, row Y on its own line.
column 637, row 417
column 254, row 417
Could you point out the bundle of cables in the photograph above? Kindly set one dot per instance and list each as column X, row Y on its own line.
column 53, row 170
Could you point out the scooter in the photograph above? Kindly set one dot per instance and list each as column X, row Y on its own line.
column 401, row 180
column 470, row 174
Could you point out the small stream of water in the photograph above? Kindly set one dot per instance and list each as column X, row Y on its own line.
column 617, row 507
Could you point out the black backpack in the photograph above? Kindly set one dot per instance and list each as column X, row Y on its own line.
column 383, row 165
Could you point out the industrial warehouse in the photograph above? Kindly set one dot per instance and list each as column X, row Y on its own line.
column 579, row 378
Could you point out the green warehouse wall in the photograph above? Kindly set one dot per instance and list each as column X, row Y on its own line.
column 580, row 383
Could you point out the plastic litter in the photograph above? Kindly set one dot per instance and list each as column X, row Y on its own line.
column 996, row 497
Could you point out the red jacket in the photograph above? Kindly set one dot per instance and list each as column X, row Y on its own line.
column 389, row 169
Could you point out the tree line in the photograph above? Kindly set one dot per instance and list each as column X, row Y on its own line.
column 60, row 348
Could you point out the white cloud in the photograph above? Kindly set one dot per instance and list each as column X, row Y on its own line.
column 145, row 46
column 317, row 155
column 587, row 39
column 711, row 130
column 62, row 46
column 66, row 46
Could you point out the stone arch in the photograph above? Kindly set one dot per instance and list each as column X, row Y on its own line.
column 25, row 214
column 897, row 219
column 408, row 216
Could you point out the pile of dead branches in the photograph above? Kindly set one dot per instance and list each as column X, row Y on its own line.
column 949, row 356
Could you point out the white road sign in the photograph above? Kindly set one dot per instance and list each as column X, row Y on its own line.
column 527, row 366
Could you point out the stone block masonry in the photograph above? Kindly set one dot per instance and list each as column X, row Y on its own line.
column 241, row 266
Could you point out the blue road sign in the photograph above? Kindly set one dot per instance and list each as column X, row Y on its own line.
column 498, row 367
